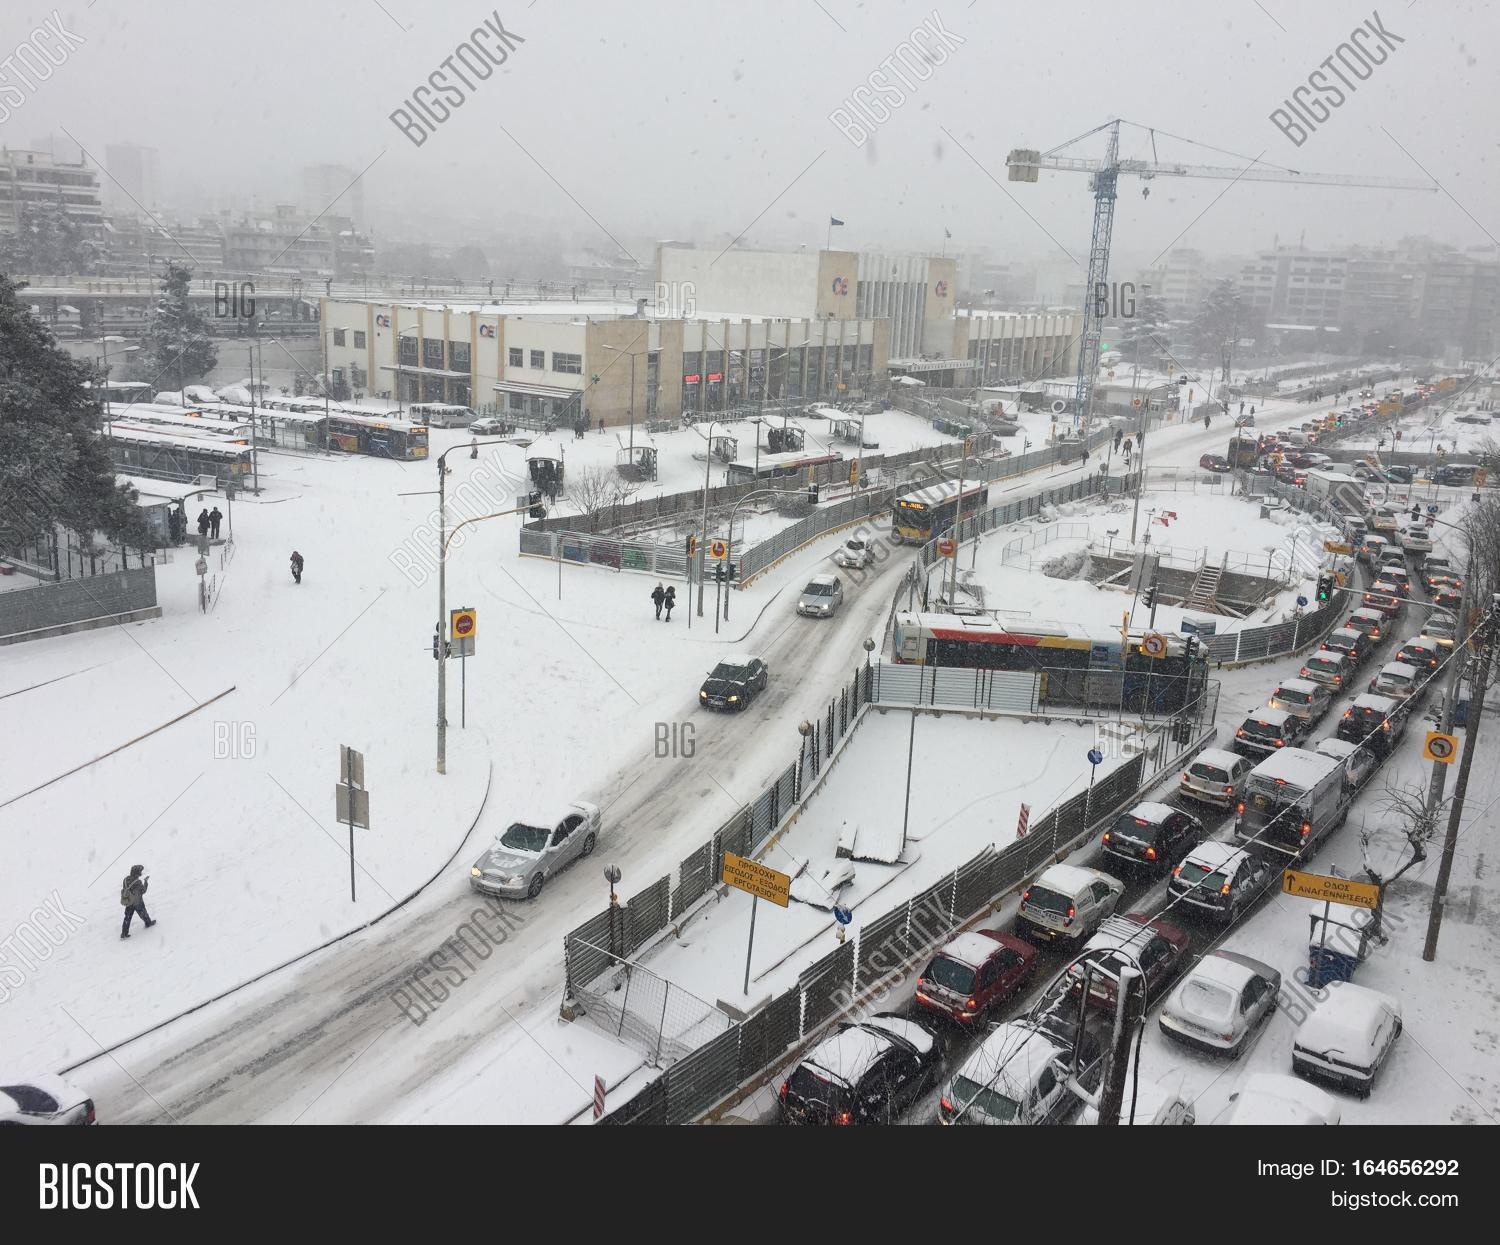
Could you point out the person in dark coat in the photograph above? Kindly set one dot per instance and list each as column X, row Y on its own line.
column 203, row 522
column 296, row 566
column 133, row 898
column 658, row 595
column 1119, row 432
column 215, row 517
column 669, row 601
column 1242, row 408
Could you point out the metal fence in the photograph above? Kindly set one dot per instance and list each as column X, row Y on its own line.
column 885, row 948
column 651, row 557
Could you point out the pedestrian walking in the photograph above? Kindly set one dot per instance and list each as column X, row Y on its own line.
column 1252, row 412
column 133, row 898
column 215, row 517
column 1242, row 408
column 474, row 448
column 296, row 566
column 658, row 595
column 669, row 601
column 203, row 522
column 1119, row 432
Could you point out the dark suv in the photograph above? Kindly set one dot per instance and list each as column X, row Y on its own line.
column 865, row 1073
column 734, row 683
column 1375, row 721
column 1152, row 835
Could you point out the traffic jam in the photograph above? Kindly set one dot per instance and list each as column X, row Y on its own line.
column 1011, row 1024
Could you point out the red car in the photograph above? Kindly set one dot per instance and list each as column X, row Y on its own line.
column 1156, row 946
column 973, row 973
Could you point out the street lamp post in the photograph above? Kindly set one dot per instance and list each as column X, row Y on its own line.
column 729, row 540
column 708, row 462
column 632, row 355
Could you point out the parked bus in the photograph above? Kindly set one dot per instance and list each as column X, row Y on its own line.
column 440, row 414
column 1077, row 667
column 931, row 510
column 369, row 434
column 773, row 466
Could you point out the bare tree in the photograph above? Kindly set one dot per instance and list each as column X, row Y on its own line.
column 1405, row 809
column 597, row 489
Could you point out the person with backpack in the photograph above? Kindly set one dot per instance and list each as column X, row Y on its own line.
column 133, row 898
column 297, row 566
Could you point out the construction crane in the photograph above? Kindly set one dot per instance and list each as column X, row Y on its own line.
column 1024, row 166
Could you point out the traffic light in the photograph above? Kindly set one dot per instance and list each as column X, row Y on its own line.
column 1148, row 598
column 1325, row 588
column 538, row 511
column 692, row 545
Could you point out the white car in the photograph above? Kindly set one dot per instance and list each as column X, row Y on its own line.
column 527, row 853
column 1067, row 901
column 1416, row 539
column 1359, row 762
column 1346, row 1040
column 489, row 426
column 1215, row 777
column 854, row 554
column 1221, row 1004
column 45, row 1100
column 1268, row 1098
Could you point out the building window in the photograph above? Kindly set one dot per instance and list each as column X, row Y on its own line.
column 517, row 401
column 432, row 354
column 358, row 377
column 539, row 360
column 406, row 350
column 359, row 339
column 458, row 356
column 515, row 357
column 569, row 363
column 338, row 337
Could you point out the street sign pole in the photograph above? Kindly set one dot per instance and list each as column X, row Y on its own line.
column 463, row 690
column 349, row 782
column 750, row 946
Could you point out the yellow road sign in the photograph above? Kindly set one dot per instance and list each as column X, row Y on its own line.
column 464, row 624
column 1154, row 645
column 1440, row 747
column 754, row 878
column 1333, row 890
column 718, row 550
column 1333, row 546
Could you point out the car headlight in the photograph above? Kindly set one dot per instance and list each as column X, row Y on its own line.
column 475, row 872
column 732, row 699
column 702, row 695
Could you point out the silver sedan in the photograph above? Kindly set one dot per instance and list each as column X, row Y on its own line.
column 527, row 853
column 1221, row 1004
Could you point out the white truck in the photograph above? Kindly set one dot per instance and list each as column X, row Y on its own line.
column 1340, row 487
column 1292, row 800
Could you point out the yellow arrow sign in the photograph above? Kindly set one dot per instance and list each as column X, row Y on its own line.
column 756, row 879
column 1333, row 890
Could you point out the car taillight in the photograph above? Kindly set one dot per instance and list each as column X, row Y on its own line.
column 1241, row 731
column 1151, row 853
column 1184, row 776
column 972, row 1005
column 841, row 1118
column 1386, row 725
column 91, row 1111
column 1281, row 743
column 1338, row 678
column 1025, row 895
column 1228, row 790
column 1177, row 872
column 1303, row 672
column 1306, row 828
column 1224, row 890
column 945, row 1105
column 1240, row 808
column 783, row 1090
column 1348, row 713
column 1106, row 837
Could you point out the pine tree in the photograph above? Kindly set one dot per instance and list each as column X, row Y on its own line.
column 1223, row 318
column 176, row 349
column 54, row 463
column 48, row 240
column 1148, row 329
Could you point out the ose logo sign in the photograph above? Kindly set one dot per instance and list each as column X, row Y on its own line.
column 841, row 285
column 941, row 289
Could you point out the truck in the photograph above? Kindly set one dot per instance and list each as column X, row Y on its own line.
column 1292, row 801
column 1243, row 452
column 1337, row 487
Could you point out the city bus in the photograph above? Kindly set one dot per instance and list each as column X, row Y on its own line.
column 440, row 414
column 918, row 516
column 773, row 466
column 1078, row 667
column 384, row 438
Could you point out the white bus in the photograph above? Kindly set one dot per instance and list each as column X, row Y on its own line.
column 440, row 415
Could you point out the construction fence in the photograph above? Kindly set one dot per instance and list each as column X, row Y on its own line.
column 881, row 950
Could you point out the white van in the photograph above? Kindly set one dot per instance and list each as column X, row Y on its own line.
column 440, row 415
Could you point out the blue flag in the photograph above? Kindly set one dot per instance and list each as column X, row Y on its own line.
column 834, row 220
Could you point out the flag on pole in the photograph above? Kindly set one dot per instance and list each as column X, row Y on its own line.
column 834, row 220
column 946, row 234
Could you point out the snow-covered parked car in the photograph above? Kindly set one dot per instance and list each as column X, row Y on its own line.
column 519, row 862
column 865, row 1073
column 1347, row 1038
column 1221, row 1004
column 45, row 1100
column 1269, row 1098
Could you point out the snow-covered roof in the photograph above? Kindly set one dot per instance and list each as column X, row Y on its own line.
column 1369, row 700
column 823, row 579
column 1271, row 717
column 1346, row 1021
column 1271, row 1098
column 972, row 948
column 848, row 1053
column 1069, row 879
column 1296, row 766
column 1225, row 968
column 1152, row 811
column 737, row 659
column 1011, row 1058
column 1340, row 748
column 1332, row 656
column 1306, row 686
column 908, row 1030
column 1221, row 757
column 1400, row 668
column 1213, row 855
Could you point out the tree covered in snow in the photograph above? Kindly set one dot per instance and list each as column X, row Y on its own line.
column 1222, row 319
column 176, row 349
column 1147, row 332
column 54, row 465
column 48, row 240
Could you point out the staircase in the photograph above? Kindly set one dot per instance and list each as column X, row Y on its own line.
column 1205, row 588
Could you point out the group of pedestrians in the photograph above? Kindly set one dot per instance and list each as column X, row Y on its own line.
column 664, row 599
column 208, row 523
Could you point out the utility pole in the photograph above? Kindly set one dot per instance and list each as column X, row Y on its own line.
column 1478, row 684
column 1112, row 1093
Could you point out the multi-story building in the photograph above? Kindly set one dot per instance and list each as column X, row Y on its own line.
column 1180, row 280
column 1460, row 307
column 29, row 179
column 334, row 187
column 1295, row 286
column 134, row 177
column 290, row 243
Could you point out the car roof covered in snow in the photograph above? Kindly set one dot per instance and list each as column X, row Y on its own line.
column 1215, row 856
column 1152, row 811
column 1069, row 879
column 1340, row 748
column 737, row 659
column 1221, row 757
column 1345, row 633
column 1271, row 1098
column 1010, row 1060
column 1369, row 700
column 1229, row 968
column 1297, row 685
column 918, row 1035
column 1346, row 1020
column 1400, row 668
column 1271, row 717
column 972, row 948
column 823, row 579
